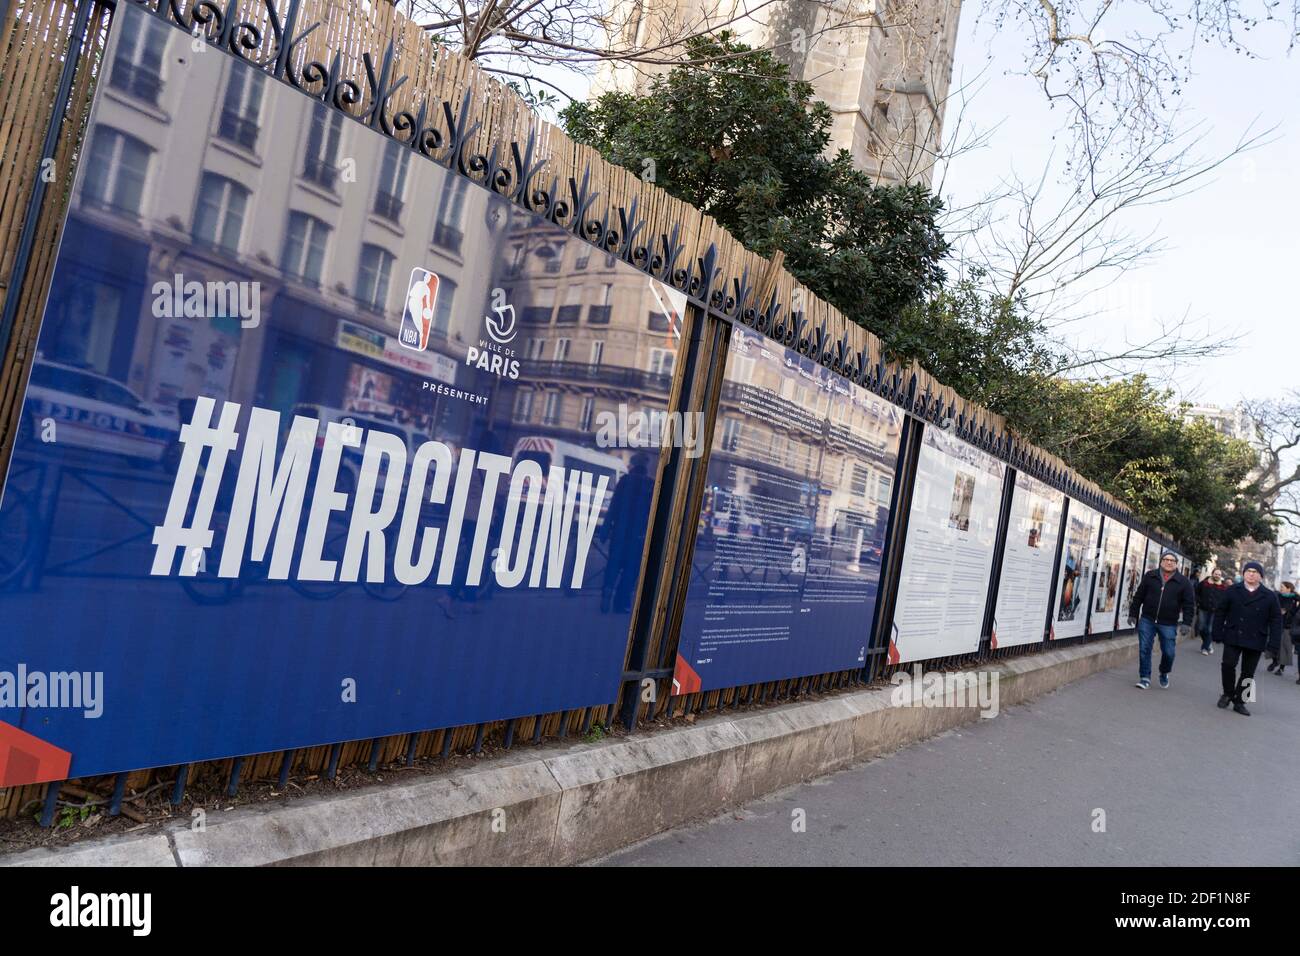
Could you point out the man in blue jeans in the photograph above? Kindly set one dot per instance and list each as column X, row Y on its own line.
column 1161, row 598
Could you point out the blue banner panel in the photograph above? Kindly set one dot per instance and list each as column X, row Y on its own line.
column 788, row 551
column 322, row 441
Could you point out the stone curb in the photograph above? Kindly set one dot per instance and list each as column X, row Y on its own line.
column 582, row 801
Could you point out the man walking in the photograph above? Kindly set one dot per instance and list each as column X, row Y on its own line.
column 1159, row 599
column 1209, row 595
column 1248, row 622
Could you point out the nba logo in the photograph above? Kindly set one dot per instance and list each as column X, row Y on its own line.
column 417, row 317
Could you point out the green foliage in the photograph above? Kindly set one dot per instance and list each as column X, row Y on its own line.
column 537, row 99
column 741, row 141
column 984, row 346
column 1127, row 436
column 70, row 816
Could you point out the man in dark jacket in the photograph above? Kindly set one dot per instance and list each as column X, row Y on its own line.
column 1160, row 598
column 1209, row 594
column 1248, row 622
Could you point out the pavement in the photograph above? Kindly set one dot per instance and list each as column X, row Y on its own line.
column 1097, row 773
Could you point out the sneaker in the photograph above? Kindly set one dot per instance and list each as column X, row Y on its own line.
column 1164, row 681
column 1240, row 708
column 1211, row 650
column 1270, row 667
column 1205, row 652
column 1142, row 684
column 1224, row 701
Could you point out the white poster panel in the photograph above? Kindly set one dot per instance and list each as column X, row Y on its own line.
column 1078, row 555
column 1025, row 585
column 948, row 555
column 1134, row 566
column 1108, row 588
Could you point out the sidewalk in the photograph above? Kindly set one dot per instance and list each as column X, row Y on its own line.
column 1181, row 783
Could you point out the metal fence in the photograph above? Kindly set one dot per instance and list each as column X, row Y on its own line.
column 380, row 70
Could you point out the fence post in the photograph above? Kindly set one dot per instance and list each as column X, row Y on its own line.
column 1097, row 558
column 891, row 555
column 999, row 552
column 1061, row 545
column 655, row 579
column 27, row 238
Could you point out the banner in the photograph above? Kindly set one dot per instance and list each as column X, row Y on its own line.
column 1134, row 567
column 1106, row 589
column 1153, row 555
column 948, row 556
column 1025, row 584
column 401, row 493
column 787, row 557
column 1078, row 561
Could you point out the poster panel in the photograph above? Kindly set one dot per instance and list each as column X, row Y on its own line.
column 1134, row 568
column 1107, row 588
column 1153, row 554
column 1078, row 558
column 1025, row 584
column 383, row 495
column 948, row 556
column 786, row 568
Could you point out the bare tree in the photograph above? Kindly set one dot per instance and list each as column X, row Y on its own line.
column 1049, row 242
column 1055, row 243
column 1276, row 423
column 516, row 37
column 1118, row 66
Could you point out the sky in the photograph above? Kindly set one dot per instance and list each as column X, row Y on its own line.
column 1231, row 247
column 1233, row 251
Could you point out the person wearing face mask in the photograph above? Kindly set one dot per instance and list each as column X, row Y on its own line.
column 1209, row 594
column 1247, row 623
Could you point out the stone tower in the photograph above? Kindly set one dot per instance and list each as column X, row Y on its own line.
column 882, row 66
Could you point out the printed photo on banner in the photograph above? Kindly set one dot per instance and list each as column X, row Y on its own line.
column 1075, row 582
column 1037, row 525
column 963, row 494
